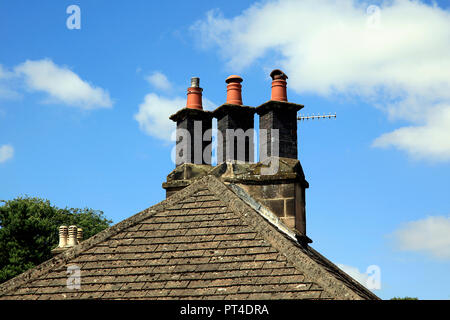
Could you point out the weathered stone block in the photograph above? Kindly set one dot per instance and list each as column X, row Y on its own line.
column 275, row 205
column 287, row 190
column 289, row 207
column 289, row 222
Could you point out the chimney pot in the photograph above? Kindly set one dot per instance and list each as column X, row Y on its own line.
column 62, row 236
column 72, row 236
column 194, row 95
column 278, row 85
column 79, row 235
column 234, row 89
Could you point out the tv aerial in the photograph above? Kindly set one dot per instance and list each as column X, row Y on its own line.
column 318, row 116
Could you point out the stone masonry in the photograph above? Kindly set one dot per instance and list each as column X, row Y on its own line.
column 282, row 116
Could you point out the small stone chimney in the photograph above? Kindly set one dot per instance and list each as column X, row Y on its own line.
column 63, row 235
column 79, row 235
column 235, row 136
column 193, row 135
column 72, row 236
column 68, row 237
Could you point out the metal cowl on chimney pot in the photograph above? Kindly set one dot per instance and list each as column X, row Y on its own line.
column 194, row 95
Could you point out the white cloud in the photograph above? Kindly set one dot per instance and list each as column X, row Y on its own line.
column 431, row 140
column 430, row 236
column 5, row 74
column 154, row 112
column 6, row 152
column 6, row 90
column 159, row 81
column 398, row 59
column 62, row 85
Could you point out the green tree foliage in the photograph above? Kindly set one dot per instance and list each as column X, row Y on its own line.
column 29, row 231
column 404, row 298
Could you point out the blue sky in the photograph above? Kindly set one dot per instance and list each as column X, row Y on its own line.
column 83, row 113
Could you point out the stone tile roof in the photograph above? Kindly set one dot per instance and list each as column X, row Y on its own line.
column 203, row 242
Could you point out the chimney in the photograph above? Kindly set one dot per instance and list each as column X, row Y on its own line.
column 72, row 236
column 281, row 190
column 63, row 234
column 79, row 235
column 278, row 121
column 235, row 134
column 68, row 237
column 194, row 134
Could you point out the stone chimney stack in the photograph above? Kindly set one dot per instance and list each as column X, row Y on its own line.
column 235, row 136
column 281, row 190
column 193, row 135
column 278, row 122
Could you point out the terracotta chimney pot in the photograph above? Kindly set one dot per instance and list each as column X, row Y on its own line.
column 194, row 95
column 234, row 95
column 278, row 85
